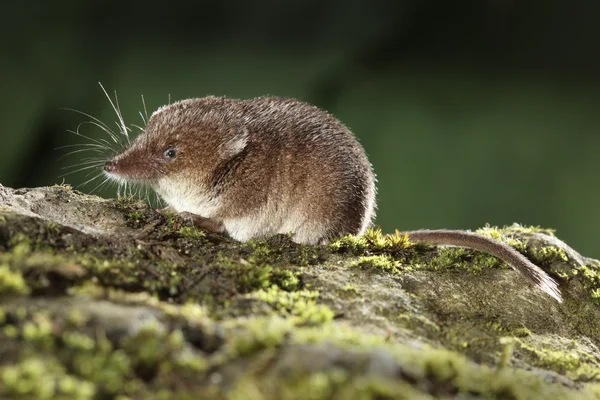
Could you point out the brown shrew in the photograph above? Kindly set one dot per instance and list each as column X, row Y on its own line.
column 268, row 165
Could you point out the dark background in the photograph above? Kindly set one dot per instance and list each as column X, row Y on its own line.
column 472, row 112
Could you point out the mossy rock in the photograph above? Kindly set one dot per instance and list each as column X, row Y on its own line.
column 103, row 299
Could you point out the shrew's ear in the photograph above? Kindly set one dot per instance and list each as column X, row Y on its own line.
column 236, row 144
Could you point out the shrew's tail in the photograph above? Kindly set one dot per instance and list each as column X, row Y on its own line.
column 487, row 245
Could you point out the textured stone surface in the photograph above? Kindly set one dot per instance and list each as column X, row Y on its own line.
column 102, row 298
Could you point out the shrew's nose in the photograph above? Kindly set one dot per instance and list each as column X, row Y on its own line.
column 110, row 166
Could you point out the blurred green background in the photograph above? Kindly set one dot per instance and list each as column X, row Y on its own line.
column 472, row 112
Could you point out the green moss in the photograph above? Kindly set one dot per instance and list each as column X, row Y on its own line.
column 352, row 244
column 11, row 331
column 39, row 330
column 352, row 289
column 379, row 262
column 151, row 348
column 12, row 282
column 513, row 229
column 260, row 251
column 496, row 327
column 394, row 243
column 255, row 334
column 576, row 363
column 374, row 241
column 507, row 351
column 521, row 332
column 21, row 246
column 286, row 279
column 191, row 232
column 38, row 378
column 336, row 384
column 224, row 318
column 590, row 277
column 247, row 276
column 423, row 321
column 300, row 306
column 136, row 216
column 448, row 372
column 78, row 341
column 557, row 360
column 109, row 369
column 549, row 254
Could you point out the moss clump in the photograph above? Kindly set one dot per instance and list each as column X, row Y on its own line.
column 576, row 363
column 350, row 244
column 136, row 217
column 420, row 320
column 191, row 233
column 391, row 244
column 512, row 230
column 286, row 279
column 590, row 277
column 379, row 262
column 336, row 384
column 373, row 241
column 281, row 250
column 257, row 333
column 12, row 282
column 246, row 275
column 549, row 254
column 300, row 305
column 39, row 378
column 521, row 332
column 508, row 236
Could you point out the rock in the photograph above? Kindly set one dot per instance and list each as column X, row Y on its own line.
column 109, row 299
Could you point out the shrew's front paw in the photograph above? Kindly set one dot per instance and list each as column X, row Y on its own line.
column 207, row 224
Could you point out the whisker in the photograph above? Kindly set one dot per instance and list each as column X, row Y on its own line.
column 117, row 111
column 138, row 127
column 80, row 145
column 99, row 140
column 148, row 195
column 91, row 117
column 80, row 164
column 91, row 162
column 100, row 185
column 145, row 111
column 79, row 151
column 88, row 174
column 89, row 180
column 78, row 170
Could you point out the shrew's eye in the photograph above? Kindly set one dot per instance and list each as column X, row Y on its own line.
column 170, row 154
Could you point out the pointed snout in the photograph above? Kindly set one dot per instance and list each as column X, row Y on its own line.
column 110, row 166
